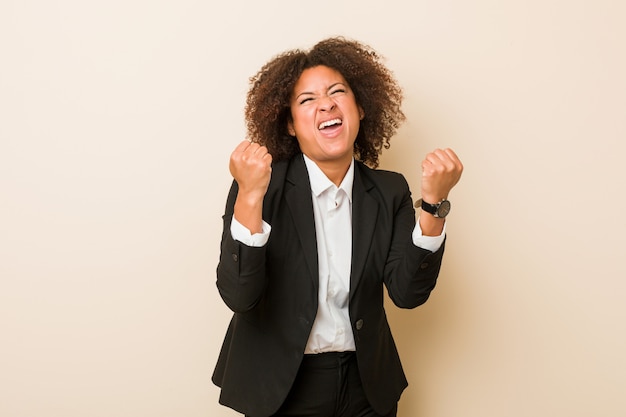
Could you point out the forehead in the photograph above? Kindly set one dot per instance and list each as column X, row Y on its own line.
column 318, row 78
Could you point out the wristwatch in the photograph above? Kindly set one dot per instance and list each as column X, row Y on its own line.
column 440, row 210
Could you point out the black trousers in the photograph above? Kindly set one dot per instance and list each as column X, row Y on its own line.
column 328, row 385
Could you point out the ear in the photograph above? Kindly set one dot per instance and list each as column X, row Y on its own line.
column 361, row 113
column 290, row 129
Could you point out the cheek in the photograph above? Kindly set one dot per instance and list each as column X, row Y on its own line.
column 302, row 119
column 349, row 105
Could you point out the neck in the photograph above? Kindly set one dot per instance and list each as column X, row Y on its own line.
column 335, row 171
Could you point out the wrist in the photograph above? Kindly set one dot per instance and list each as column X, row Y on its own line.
column 431, row 225
column 434, row 198
column 249, row 212
column 440, row 209
column 250, row 198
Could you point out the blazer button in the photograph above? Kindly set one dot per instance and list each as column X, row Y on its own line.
column 359, row 324
column 235, row 257
column 424, row 265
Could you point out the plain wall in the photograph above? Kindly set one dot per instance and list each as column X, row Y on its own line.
column 117, row 119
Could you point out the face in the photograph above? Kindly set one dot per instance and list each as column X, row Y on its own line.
column 325, row 116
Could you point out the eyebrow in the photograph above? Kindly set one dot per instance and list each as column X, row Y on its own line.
column 329, row 88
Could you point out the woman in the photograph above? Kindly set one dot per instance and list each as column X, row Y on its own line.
column 312, row 232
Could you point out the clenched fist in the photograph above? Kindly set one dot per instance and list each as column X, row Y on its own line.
column 251, row 166
column 441, row 170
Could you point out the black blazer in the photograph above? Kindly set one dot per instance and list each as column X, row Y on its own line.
column 273, row 290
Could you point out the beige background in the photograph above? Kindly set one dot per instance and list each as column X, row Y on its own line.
column 116, row 122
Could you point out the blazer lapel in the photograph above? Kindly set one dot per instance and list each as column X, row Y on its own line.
column 364, row 214
column 298, row 197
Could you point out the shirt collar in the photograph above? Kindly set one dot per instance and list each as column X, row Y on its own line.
column 320, row 182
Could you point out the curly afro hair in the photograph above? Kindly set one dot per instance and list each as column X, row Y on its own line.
column 267, row 110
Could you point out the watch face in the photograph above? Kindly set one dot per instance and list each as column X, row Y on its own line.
column 444, row 208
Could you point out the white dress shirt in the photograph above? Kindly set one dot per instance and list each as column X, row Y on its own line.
column 332, row 210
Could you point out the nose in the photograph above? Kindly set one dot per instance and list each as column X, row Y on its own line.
column 326, row 103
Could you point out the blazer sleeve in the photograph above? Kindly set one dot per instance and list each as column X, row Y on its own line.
column 241, row 278
column 410, row 272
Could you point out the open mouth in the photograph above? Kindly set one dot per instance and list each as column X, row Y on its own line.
column 330, row 123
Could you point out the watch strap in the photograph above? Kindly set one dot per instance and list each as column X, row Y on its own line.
column 439, row 210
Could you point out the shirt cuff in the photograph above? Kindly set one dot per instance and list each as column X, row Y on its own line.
column 431, row 243
column 242, row 234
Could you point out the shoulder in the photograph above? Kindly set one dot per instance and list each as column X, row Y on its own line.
column 291, row 170
column 286, row 174
column 383, row 179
